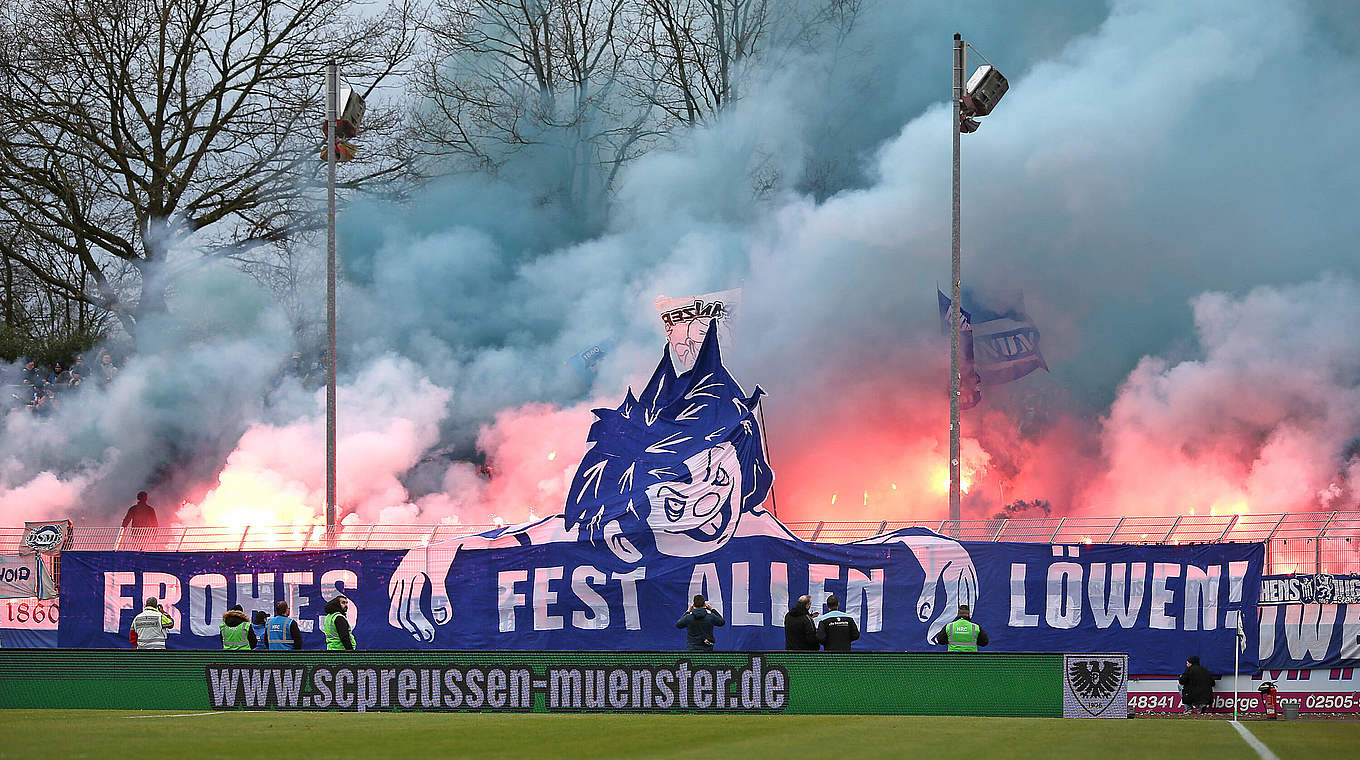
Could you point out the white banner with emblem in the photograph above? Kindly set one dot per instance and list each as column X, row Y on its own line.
column 1096, row 685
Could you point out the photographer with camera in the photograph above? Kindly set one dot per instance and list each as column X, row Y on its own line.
column 800, row 627
column 699, row 621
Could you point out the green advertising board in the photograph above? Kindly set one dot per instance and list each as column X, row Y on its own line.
column 1003, row 684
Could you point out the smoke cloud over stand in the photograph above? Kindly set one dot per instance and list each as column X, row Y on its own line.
column 1162, row 183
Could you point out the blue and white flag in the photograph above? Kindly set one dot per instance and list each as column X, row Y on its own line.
column 1005, row 341
column 586, row 364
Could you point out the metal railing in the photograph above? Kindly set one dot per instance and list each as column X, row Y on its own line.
column 1300, row 542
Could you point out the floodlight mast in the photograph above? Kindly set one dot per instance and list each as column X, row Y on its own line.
column 984, row 90
column 332, row 145
column 955, row 315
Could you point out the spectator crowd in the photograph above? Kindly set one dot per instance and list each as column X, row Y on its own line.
column 28, row 387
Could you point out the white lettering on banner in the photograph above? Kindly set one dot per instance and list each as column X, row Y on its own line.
column 1116, row 592
column 207, row 603
column 779, row 591
column 632, row 618
column 581, row 579
column 298, row 601
column 1350, row 633
column 507, row 599
column 545, row 596
column 114, row 600
column 1063, row 609
column 1265, row 646
column 255, row 592
column 862, row 593
column 208, row 595
column 1019, row 617
column 335, row 583
column 867, row 590
column 1308, row 629
column 1120, row 599
column 704, row 580
column 741, row 597
column 1162, row 597
column 168, row 590
column 1201, row 593
column 818, row 575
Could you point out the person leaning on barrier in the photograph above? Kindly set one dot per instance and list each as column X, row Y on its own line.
column 336, row 626
column 800, row 633
column 149, row 626
column 837, row 629
column 282, row 631
column 235, row 629
column 698, row 622
column 963, row 635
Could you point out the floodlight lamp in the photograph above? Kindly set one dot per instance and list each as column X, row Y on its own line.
column 984, row 91
column 351, row 113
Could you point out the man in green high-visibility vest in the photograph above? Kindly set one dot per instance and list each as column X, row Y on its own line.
column 336, row 626
column 962, row 635
column 235, row 628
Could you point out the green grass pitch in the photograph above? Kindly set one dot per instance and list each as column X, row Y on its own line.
column 110, row 734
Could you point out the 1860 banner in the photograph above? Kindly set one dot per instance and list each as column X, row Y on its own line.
column 658, row 682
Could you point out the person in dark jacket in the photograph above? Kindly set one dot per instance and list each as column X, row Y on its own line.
column 699, row 621
column 800, row 633
column 837, row 629
column 336, row 626
column 259, row 624
column 1197, row 685
column 235, row 629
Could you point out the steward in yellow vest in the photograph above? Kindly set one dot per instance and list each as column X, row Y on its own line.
column 236, row 633
column 335, row 625
column 963, row 635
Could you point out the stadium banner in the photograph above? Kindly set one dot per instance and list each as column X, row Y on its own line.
column 519, row 589
column 796, row 683
column 24, row 575
column 1318, row 588
column 28, row 623
column 1328, row 690
column 1309, row 636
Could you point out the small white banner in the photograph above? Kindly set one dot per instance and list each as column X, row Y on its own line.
column 1095, row 686
column 47, row 537
column 686, row 321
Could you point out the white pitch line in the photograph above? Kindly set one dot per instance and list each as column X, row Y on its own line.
column 177, row 715
column 1255, row 743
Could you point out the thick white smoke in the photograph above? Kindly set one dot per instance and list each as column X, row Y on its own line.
column 1148, row 159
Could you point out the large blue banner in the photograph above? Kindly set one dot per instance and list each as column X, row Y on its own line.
column 1309, row 622
column 517, row 590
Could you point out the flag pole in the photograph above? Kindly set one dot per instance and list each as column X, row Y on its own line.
column 1238, row 641
column 765, row 441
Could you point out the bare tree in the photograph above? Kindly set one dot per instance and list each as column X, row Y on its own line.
column 548, row 78
column 133, row 128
